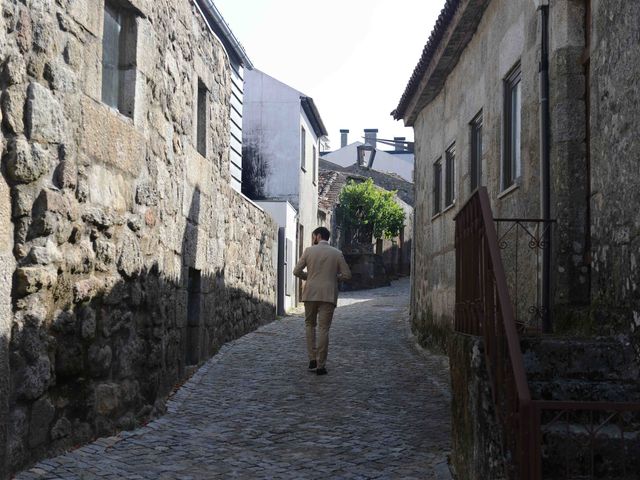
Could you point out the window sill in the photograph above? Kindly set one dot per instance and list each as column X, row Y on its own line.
column 449, row 207
column 121, row 115
column 509, row 190
column 436, row 216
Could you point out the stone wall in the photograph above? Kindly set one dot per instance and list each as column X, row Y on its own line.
column 508, row 33
column 477, row 442
column 135, row 258
column 615, row 150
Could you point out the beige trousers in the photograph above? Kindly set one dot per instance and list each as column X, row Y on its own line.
column 321, row 314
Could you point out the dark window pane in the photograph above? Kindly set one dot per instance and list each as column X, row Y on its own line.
column 111, row 57
column 202, row 119
column 119, row 58
column 476, row 152
column 511, row 164
column 450, row 174
column 515, row 130
column 437, row 182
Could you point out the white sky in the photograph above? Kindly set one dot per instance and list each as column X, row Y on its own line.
column 353, row 57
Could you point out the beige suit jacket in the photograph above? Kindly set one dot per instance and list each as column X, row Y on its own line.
column 325, row 267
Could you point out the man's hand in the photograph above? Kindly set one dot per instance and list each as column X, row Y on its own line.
column 298, row 271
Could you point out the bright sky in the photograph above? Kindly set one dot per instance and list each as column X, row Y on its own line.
column 353, row 57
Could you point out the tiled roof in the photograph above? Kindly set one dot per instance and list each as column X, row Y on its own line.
column 332, row 181
column 330, row 185
column 441, row 26
column 386, row 180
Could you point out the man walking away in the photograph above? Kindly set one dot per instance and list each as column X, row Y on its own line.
column 325, row 267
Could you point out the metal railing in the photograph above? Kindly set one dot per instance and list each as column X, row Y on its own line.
column 586, row 440
column 483, row 307
column 531, row 429
column 522, row 242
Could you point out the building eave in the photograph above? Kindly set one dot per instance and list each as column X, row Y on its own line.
column 311, row 111
column 221, row 28
column 453, row 31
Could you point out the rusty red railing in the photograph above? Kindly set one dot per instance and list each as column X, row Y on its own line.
column 529, row 427
column 484, row 308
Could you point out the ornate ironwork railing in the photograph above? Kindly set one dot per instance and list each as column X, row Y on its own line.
column 522, row 242
column 592, row 439
column 586, row 440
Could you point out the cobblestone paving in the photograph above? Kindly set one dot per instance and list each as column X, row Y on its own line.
column 254, row 411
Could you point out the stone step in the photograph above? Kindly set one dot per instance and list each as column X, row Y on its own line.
column 569, row 454
column 563, row 389
column 592, row 359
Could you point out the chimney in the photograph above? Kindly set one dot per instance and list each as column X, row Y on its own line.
column 400, row 143
column 344, row 140
column 371, row 136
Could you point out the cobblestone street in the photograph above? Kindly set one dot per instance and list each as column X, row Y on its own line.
column 254, row 411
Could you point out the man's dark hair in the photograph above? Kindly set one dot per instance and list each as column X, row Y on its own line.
column 323, row 232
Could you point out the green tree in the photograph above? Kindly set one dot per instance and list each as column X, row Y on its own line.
column 364, row 204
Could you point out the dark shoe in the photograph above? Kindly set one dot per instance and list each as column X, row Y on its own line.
column 321, row 371
column 313, row 365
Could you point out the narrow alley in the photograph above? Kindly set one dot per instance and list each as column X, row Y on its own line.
column 254, row 411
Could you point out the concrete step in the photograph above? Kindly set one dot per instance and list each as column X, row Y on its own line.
column 592, row 359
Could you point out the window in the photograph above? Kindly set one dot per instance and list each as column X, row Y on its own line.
column 475, row 167
column 511, row 164
column 118, row 58
column 315, row 165
column 303, row 149
column 450, row 176
column 437, row 181
column 201, row 119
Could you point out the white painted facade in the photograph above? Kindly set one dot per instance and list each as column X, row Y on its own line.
column 286, row 217
column 235, row 136
column 388, row 162
column 274, row 124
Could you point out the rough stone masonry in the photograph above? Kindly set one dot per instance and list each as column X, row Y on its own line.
column 125, row 256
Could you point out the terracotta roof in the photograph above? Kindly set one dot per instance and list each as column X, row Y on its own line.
column 441, row 26
column 453, row 31
column 330, row 185
column 385, row 180
column 332, row 180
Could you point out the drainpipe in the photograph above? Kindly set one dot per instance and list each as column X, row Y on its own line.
column 545, row 164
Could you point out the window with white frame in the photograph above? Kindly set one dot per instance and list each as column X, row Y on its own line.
column 511, row 158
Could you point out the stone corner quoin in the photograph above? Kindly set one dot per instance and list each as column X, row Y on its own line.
column 126, row 256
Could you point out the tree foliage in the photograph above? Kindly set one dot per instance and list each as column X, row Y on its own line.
column 363, row 203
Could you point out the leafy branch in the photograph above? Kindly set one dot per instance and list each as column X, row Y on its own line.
column 364, row 204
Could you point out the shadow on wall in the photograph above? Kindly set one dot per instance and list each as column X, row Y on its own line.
column 105, row 353
column 255, row 170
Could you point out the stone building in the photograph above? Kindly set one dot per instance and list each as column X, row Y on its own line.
column 395, row 254
column 482, row 60
column 126, row 257
column 474, row 101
